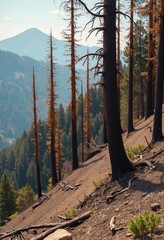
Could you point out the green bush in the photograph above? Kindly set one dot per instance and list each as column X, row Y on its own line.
column 132, row 151
column 144, row 224
column 26, row 198
column 70, row 213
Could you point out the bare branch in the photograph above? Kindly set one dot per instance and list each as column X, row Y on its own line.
column 89, row 11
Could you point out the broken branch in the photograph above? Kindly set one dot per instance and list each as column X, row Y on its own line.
column 111, row 197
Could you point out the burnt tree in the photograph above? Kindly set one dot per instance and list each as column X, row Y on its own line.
column 157, row 128
column 119, row 161
column 51, row 115
column 130, row 84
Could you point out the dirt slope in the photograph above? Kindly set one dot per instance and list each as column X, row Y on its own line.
column 146, row 189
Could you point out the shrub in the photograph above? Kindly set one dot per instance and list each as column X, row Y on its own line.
column 70, row 213
column 144, row 224
column 98, row 183
column 132, row 151
column 26, row 198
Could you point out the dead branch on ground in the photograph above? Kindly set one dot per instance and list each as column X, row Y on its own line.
column 63, row 225
column 111, row 197
column 52, row 226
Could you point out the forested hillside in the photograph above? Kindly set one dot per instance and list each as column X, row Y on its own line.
column 16, row 93
column 19, row 159
column 107, row 106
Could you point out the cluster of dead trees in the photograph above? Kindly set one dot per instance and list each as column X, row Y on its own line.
column 108, row 66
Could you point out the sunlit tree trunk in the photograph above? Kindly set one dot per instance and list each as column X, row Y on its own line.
column 149, row 108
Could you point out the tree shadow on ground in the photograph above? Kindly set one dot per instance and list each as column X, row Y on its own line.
column 143, row 185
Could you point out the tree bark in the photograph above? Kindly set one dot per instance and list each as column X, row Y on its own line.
column 149, row 110
column 130, row 85
column 75, row 163
column 157, row 128
column 119, row 161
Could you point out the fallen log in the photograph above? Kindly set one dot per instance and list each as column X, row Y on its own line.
column 40, row 201
column 111, row 197
column 144, row 163
column 25, row 229
column 63, row 225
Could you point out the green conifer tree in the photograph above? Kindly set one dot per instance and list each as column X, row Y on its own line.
column 7, row 198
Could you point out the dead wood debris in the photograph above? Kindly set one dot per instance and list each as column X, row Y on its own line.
column 52, row 227
column 113, row 226
column 40, row 201
column 63, row 225
column 65, row 187
column 111, row 197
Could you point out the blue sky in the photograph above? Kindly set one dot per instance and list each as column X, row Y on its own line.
column 19, row 15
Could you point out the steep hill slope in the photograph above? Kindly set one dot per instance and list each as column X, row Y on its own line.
column 147, row 188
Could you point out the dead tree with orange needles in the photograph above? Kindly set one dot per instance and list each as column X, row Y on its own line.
column 69, row 35
column 39, row 187
column 51, row 115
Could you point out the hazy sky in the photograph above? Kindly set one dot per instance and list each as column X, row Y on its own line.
column 17, row 16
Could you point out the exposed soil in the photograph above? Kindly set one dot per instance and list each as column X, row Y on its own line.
column 147, row 188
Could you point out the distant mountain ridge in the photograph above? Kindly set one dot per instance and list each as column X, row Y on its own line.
column 34, row 43
column 16, row 92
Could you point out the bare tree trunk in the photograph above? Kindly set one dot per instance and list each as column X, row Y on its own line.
column 75, row 163
column 149, row 109
column 39, row 187
column 157, row 128
column 119, row 161
column 130, row 86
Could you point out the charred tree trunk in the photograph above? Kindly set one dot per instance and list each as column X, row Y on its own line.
column 130, row 86
column 75, row 163
column 119, row 161
column 157, row 128
column 149, row 109
column 39, row 187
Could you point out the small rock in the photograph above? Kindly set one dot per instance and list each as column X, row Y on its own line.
column 155, row 207
column 60, row 234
